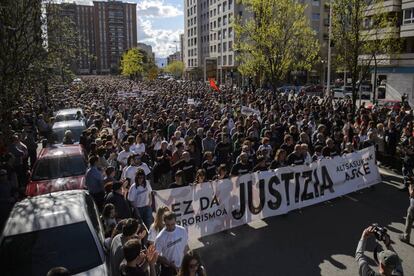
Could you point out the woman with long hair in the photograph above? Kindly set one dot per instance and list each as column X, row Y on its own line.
column 280, row 159
column 191, row 265
column 140, row 196
column 158, row 224
column 200, row 177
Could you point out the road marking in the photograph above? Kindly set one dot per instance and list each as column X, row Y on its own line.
column 352, row 198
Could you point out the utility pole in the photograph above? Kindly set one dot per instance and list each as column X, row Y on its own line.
column 328, row 84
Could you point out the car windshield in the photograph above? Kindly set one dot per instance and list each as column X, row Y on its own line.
column 60, row 133
column 66, row 117
column 60, row 166
column 71, row 246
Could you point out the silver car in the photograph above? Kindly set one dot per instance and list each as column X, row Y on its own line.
column 69, row 114
column 57, row 229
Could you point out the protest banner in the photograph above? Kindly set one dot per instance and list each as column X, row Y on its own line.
column 215, row 206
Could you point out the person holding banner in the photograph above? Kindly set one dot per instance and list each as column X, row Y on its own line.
column 172, row 245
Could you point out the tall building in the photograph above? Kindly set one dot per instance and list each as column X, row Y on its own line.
column 395, row 73
column 115, row 33
column 209, row 37
column 106, row 30
column 147, row 49
column 174, row 57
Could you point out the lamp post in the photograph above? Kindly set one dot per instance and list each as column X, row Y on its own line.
column 328, row 84
column 221, row 51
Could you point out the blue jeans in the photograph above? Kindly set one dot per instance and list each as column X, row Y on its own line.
column 146, row 215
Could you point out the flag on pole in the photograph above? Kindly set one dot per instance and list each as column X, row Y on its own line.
column 214, row 85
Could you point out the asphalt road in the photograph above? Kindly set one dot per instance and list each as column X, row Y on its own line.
column 318, row 240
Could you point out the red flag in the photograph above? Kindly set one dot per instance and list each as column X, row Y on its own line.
column 214, row 85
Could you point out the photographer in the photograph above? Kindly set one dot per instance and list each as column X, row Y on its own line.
column 389, row 262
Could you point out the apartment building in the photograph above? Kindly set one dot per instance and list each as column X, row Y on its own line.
column 174, row 57
column 209, row 38
column 147, row 49
column 106, row 30
column 115, row 33
column 395, row 72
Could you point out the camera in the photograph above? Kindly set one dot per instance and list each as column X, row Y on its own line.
column 379, row 231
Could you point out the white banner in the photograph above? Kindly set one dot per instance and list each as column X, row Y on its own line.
column 215, row 206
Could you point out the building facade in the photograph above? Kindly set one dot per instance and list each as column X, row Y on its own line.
column 106, row 30
column 395, row 72
column 148, row 50
column 174, row 57
column 209, row 37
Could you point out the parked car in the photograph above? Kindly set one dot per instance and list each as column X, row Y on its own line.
column 69, row 114
column 58, row 229
column 338, row 93
column 365, row 92
column 75, row 126
column 390, row 104
column 58, row 168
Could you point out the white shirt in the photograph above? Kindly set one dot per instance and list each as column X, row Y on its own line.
column 140, row 196
column 123, row 157
column 152, row 234
column 138, row 148
column 171, row 245
column 131, row 171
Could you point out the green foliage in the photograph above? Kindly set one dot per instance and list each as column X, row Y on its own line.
column 275, row 41
column 176, row 68
column 21, row 51
column 358, row 47
column 62, row 43
column 132, row 63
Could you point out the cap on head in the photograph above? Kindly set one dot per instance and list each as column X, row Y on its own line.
column 388, row 258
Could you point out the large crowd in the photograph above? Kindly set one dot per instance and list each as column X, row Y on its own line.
column 151, row 135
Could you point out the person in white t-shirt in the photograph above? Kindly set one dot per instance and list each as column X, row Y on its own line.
column 135, row 163
column 139, row 146
column 140, row 197
column 124, row 154
column 172, row 245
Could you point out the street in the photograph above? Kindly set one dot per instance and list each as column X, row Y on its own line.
column 317, row 240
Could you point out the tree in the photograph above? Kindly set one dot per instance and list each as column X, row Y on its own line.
column 132, row 63
column 275, row 41
column 62, row 42
column 362, row 30
column 176, row 68
column 21, row 52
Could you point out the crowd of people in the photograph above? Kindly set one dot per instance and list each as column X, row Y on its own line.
column 151, row 135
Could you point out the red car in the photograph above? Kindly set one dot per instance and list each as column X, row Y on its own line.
column 58, row 168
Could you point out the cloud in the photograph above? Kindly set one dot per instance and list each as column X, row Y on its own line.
column 163, row 41
column 157, row 9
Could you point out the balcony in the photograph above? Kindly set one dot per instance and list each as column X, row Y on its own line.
column 384, row 7
column 377, row 34
column 407, row 30
column 407, row 4
column 394, row 60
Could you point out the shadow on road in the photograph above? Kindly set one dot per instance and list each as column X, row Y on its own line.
column 299, row 243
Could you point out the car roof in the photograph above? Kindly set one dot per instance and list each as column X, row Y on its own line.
column 68, row 124
column 46, row 211
column 57, row 150
column 68, row 111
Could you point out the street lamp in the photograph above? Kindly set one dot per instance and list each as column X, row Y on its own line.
column 221, row 50
column 328, row 85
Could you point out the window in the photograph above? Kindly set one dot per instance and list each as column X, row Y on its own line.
column 230, row 32
column 219, row 22
column 225, row 20
column 224, row 33
column 224, row 6
column 46, row 248
column 224, row 46
column 408, row 16
column 230, row 45
column 316, row 16
column 230, row 60
column 315, row 3
column 219, row 8
column 219, row 48
column 224, row 60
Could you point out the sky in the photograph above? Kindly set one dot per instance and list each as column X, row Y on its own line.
column 160, row 23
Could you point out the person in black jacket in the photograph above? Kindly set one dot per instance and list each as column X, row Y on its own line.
column 122, row 208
